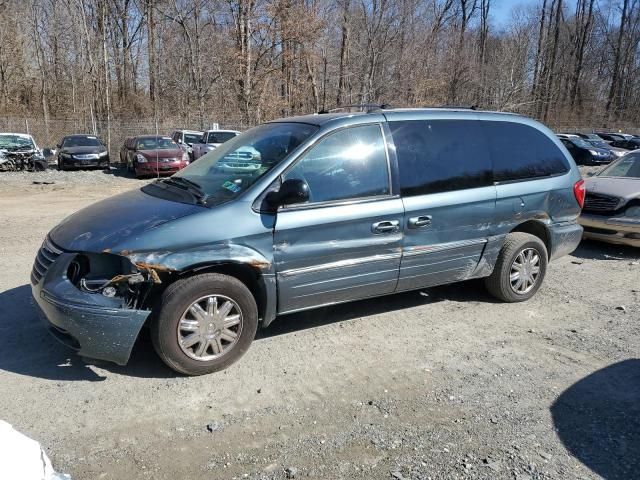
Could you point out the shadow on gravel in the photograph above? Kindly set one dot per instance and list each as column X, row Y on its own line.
column 598, row 420
column 464, row 292
column 119, row 171
column 590, row 250
column 28, row 349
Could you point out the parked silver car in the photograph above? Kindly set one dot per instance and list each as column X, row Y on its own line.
column 612, row 205
column 211, row 139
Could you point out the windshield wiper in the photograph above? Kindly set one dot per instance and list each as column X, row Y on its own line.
column 192, row 187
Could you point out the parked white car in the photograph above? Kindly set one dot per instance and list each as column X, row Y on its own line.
column 186, row 139
column 212, row 139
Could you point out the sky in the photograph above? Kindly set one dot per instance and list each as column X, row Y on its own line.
column 502, row 10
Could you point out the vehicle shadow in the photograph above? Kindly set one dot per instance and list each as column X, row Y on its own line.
column 28, row 349
column 119, row 171
column 592, row 250
column 598, row 420
column 465, row 292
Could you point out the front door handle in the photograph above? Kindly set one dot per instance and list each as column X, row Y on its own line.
column 386, row 226
column 418, row 222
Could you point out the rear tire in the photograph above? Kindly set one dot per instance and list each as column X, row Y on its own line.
column 203, row 309
column 520, row 268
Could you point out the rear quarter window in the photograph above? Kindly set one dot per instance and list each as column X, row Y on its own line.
column 521, row 152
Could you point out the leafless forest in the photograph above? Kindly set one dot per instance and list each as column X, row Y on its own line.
column 98, row 65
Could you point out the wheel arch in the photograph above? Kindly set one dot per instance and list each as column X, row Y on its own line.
column 537, row 229
column 262, row 286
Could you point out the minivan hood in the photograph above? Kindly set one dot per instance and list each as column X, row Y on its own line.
column 108, row 223
column 626, row 188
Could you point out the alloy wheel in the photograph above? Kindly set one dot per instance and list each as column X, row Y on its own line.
column 209, row 327
column 525, row 271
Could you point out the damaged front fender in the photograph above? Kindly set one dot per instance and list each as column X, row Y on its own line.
column 199, row 258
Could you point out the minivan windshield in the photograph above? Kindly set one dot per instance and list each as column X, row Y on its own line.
column 627, row 167
column 230, row 169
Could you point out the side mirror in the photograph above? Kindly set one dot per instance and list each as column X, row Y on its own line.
column 291, row 191
column 58, row 146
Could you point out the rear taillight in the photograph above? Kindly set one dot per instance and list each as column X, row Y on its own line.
column 579, row 190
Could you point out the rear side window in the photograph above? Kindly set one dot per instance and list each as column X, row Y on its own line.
column 441, row 155
column 522, row 152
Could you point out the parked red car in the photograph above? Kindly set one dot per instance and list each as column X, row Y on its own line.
column 152, row 155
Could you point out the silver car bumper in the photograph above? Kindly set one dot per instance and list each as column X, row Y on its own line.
column 617, row 230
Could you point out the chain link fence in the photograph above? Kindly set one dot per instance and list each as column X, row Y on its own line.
column 49, row 134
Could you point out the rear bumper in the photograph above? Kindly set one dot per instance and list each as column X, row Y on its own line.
column 564, row 238
column 616, row 230
column 93, row 325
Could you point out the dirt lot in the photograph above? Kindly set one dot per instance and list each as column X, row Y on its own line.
column 443, row 383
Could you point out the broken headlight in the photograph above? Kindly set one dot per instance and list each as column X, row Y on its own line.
column 111, row 276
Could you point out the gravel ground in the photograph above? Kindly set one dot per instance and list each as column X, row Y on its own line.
column 438, row 384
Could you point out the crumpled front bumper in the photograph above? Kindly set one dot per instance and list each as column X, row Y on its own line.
column 617, row 230
column 92, row 324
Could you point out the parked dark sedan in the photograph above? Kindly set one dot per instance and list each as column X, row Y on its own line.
column 584, row 153
column 628, row 143
column 610, row 137
column 82, row 151
column 152, row 155
column 596, row 141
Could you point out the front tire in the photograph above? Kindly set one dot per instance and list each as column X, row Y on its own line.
column 204, row 323
column 520, row 268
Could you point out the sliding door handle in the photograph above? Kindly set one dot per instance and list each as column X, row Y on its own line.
column 419, row 222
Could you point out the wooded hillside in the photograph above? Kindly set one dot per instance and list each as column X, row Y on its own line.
column 239, row 62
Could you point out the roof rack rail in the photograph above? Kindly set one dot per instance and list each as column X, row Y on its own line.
column 458, row 107
column 364, row 107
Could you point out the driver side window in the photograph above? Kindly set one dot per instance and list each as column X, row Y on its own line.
column 348, row 164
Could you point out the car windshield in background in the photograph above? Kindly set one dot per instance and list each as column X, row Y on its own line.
column 220, row 137
column 12, row 142
column 81, row 142
column 156, row 143
column 581, row 143
column 230, row 169
column 599, row 143
column 627, row 167
column 192, row 137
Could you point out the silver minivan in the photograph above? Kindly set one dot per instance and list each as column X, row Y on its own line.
column 324, row 209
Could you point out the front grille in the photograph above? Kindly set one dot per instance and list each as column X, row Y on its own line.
column 597, row 202
column 46, row 256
